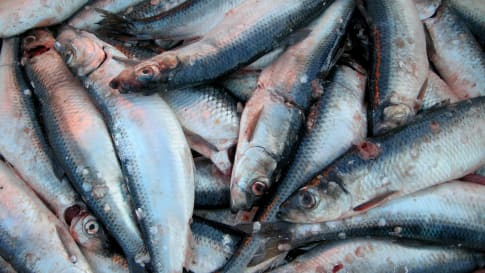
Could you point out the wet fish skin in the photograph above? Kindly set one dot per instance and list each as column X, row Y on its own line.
column 427, row 8
column 149, row 8
column 369, row 255
column 456, row 54
column 87, row 18
column 317, row 149
column 192, row 19
column 449, row 214
column 242, row 83
column 153, row 151
column 32, row 239
column 272, row 118
column 24, row 146
column 6, row 267
column 19, row 16
column 399, row 63
column 398, row 163
column 89, row 233
column 210, row 121
column 227, row 47
column 471, row 12
column 437, row 92
column 81, row 142
column 211, row 186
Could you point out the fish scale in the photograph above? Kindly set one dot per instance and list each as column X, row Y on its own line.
column 81, row 142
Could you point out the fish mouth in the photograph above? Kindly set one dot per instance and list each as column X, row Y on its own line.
column 36, row 51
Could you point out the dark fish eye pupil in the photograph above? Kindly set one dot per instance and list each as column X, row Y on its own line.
column 307, row 200
column 145, row 71
column 258, row 188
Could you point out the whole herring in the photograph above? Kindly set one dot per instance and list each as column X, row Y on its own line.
column 81, row 142
column 150, row 143
column 432, row 149
column 247, row 32
column 272, row 118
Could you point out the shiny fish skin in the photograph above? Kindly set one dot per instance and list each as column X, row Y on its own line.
column 341, row 102
column 242, row 83
column 210, row 121
column 211, row 186
column 24, row 146
column 155, row 156
column 471, row 12
column 450, row 214
column 455, row 53
column 149, row 8
column 437, row 92
column 272, row 118
column 5, row 267
column 399, row 63
column 87, row 18
column 247, row 32
column 190, row 20
column 81, row 142
column 379, row 256
column 32, row 239
column 427, row 8
column 212, row 247
column 396, row 164
column 19, row 16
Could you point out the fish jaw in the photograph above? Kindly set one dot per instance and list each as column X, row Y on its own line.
column 248, row 187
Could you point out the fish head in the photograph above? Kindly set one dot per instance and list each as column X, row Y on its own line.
column 82, row 51
column 88, row 232
column 251, row 178
column 148, row 76
column 319, row 201
column 37, row 42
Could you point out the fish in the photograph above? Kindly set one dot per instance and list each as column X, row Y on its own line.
column 437, row 92
column 241, row 84
column 95, row 246
column 448, row 214
column 24, row 146
column 224, row 216
column 154, row 155
column 81, row 141
column 401, row 162
column 17, row 17
column 210, row 121
column 427, row 8
column 340, row 109
column 148, row 8
column 471, row 12
column 455, row 53
column 190, row 20
column 6, row 267
column 211, row 186
column 367, row 255
column 87, row 18
column 272, row 118
column 32, row 239
column 247, row 32
column 399, row 63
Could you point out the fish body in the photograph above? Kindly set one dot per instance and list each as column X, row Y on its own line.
column 149, row 8
column 24, row 145
column 398, row 163
column 379, row 256
column 272, row 118
column 210, row 121
column 242, row 83
column 81, row 142
column 471, row 12
column 192, row 19
column 246, row 33
column 19, row 16
column 211, row 186
column 32, row 239
column 456, row 54
column 6, row 267
column 427, row 8
column 154, row 154
column 399, row 63
column 437, row 92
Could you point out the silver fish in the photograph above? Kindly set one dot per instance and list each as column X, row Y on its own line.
column 379, row 256
column 154, row 154
column 210, row 121
column 6, row 267
column 427, row 8
column 81, row 142
column 437, row 92
column 24, row 145
column 32, row 239
column 456, row 54
column 211, row 186
column 471, row 12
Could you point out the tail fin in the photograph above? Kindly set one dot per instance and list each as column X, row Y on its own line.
column 117, row 26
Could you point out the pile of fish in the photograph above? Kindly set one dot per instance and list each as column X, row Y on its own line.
column 242, row 136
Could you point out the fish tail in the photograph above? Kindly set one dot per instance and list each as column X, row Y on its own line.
column 114, row 25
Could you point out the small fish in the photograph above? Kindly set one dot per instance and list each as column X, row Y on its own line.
column 471, row 12
column 379, row 256
column 211, row 186
column 398, row 163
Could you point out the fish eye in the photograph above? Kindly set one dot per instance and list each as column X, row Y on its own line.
column 91, row 227
column 68, row 55
column 145, row 73
column 307, row 199
column 30, row 39
column 258, row 188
